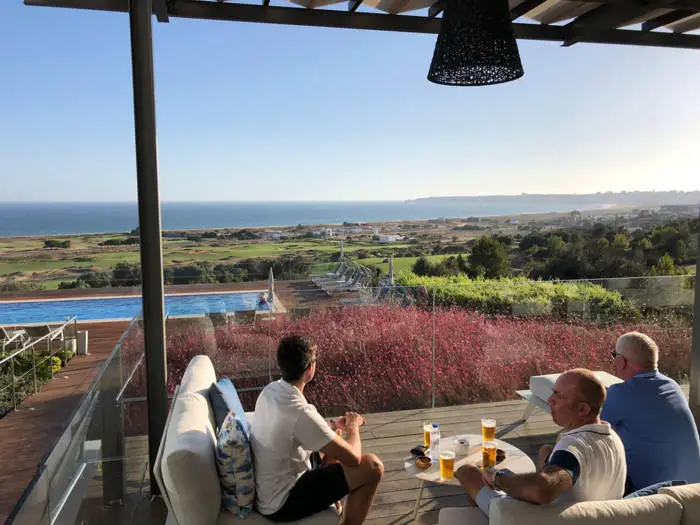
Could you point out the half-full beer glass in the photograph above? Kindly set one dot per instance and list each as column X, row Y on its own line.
column 488, row 429
column 488, row 454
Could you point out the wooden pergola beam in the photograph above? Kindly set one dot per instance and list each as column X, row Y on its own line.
column 667, row 19
column 204, row 10
column 613, row 15
column 435, row 9
column 524, row 8
column 353, row 5
column 160, row 9
column 515, row 13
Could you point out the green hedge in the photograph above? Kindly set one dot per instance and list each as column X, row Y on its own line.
column 520, row 296
column 46, row 367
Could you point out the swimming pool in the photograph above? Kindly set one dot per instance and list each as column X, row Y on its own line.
column 27, row 312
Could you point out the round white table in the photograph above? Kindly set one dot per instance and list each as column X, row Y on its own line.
column 516, row 460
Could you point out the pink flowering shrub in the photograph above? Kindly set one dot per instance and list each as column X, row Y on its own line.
column 375, row 359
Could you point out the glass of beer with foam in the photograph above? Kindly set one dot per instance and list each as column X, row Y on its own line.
column 447, row 464
column 427, row 427
column 488, row 429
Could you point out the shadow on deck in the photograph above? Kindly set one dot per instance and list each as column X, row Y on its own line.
column 390, row 435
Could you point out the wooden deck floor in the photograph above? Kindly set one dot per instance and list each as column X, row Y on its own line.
column 390, row 436
column 28, row 433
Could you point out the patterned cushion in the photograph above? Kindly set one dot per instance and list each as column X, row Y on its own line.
column 224, row 399
column 234, row 462
column 654, row 489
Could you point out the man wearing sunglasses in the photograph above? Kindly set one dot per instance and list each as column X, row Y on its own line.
column 652, row 417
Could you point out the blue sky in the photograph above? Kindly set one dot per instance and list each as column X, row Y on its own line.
column 258, row 112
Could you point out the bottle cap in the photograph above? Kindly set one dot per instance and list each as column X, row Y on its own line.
column 435, row 425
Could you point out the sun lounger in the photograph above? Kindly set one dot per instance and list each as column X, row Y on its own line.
column 12, row 337
column 339, row 267
column 54, row 333
column 354, row 284
column 330, row 285
column 342, row 276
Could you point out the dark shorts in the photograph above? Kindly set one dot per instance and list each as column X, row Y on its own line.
column 315, row 490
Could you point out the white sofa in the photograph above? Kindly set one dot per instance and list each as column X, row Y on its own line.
column 672, row 506
column 185, row 466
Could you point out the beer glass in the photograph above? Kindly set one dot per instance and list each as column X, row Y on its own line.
column 488, row 454
column 427, row 427
column 447, row 464
column 488, row 429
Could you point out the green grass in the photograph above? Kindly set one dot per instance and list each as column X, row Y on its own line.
column 401, row 264
column 28, row 256
column 52, row 284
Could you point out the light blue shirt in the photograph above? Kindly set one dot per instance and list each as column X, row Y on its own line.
column 652, row 417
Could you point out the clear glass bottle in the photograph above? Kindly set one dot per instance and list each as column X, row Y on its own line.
column 435, row 442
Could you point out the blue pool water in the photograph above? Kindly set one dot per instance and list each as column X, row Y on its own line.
column 18, row 313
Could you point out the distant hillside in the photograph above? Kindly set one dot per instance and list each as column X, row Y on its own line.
column 640, row 199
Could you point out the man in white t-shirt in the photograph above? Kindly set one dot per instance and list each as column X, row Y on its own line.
column 286, row 430
column 587, row 463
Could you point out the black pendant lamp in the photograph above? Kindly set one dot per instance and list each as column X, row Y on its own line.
column 476, row 45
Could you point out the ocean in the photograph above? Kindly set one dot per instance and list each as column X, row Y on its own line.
column 26, row 219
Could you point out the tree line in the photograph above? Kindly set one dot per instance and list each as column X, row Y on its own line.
column 287, row 267
column 598, row 251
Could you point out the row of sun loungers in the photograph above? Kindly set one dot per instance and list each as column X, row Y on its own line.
column 346, row 277
column 17, row 338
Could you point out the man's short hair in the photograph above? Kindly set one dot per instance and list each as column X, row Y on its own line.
column 638, row 348
column 294, row 355
column 590, row 388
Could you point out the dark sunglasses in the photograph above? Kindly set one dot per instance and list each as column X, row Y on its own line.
column 615, row 354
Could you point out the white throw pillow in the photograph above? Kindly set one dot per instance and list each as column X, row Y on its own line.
column 188, row 465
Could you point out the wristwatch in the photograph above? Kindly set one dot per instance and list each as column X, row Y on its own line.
column 496, row 478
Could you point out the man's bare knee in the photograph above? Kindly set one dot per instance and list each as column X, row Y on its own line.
column 374, row 468
column 368, row 472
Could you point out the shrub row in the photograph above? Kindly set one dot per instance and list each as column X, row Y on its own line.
column 524, row 297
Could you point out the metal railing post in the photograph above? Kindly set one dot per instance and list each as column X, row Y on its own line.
column 36, row 388
column 112, row 418
column 583, row 329
column 75, row 335
column 433, row 345
column 12, row 378
column 48, row 346
column 694, row 395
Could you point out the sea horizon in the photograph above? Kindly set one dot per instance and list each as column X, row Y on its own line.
column 38, row 218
